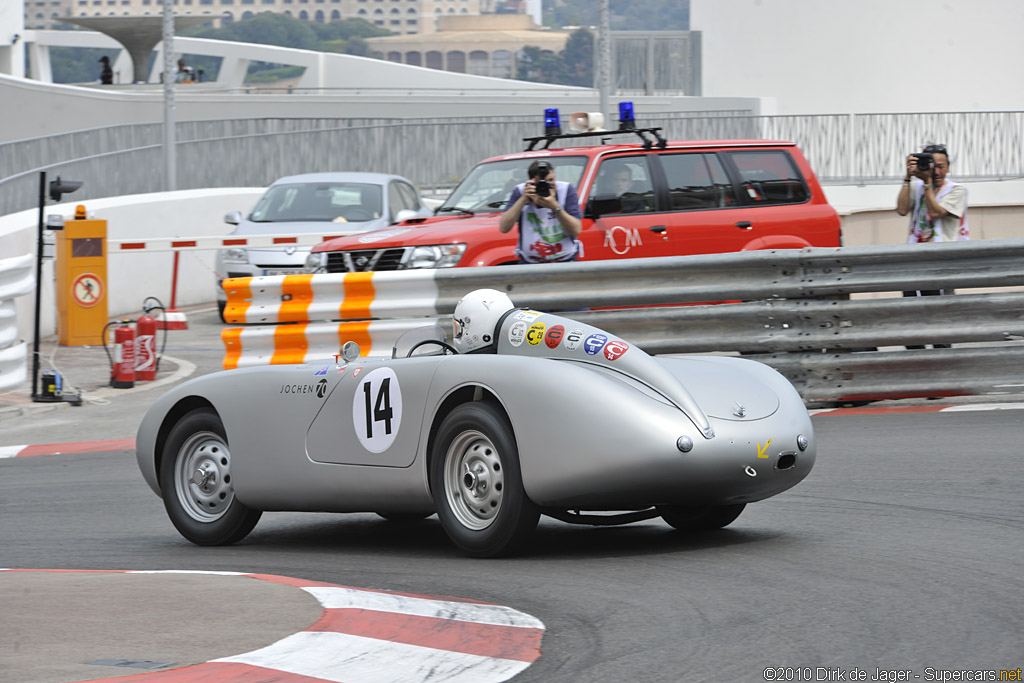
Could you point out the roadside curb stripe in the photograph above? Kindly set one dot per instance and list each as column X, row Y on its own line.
column 67, row 448
column 883, row 410
column 370, row 636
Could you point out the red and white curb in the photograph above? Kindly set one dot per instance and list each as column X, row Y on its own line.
column 67, row 448
column 373, row 636
column 893, row 410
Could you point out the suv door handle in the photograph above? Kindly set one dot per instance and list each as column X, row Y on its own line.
column 744, row 225
column 657, row 228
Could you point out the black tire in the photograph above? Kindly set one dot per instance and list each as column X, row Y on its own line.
column 221, row 305
column 204, row 511
column 695, row 520
column 477, row 483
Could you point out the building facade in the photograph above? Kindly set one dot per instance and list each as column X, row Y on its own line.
column 398, row 16
column 483, row 45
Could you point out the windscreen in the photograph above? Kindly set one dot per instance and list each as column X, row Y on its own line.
column 488, row 186
column 339, row 202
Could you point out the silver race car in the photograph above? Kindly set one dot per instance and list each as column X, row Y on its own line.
column 522, row 414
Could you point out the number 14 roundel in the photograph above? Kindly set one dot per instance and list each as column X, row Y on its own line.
column 377, row 410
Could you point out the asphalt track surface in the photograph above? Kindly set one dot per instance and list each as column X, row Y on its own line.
column 900, row 552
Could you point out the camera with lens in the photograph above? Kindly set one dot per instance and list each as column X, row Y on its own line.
column 925, row 161
column 541, row 186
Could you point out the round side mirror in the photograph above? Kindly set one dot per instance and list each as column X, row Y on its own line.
column 350, row 351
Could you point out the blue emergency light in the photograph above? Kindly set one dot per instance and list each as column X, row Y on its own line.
column 552, row 124
column 626, row 119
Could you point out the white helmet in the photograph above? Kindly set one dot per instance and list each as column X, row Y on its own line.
column 476, row 316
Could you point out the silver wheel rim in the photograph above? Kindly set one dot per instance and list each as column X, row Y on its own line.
column 202, row 477
column 474, row 480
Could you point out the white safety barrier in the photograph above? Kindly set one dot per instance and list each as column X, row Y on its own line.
column 16, row 279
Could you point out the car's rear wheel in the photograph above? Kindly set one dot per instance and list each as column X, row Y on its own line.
column 195, row 482
column 477, row 483
column 700, row 518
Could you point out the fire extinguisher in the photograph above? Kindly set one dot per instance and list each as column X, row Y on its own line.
column 145, row 348
column 122, row 368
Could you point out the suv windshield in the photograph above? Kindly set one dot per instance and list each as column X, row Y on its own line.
column 488, row 186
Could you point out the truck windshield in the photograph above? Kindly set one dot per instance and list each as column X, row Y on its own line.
column 487, row 187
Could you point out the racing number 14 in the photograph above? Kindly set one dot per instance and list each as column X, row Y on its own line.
column 382, row 407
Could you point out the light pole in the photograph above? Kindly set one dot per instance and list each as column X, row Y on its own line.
column 57, row 188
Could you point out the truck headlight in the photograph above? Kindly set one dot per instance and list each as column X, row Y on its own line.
column 436, row 256
column 314, row 262
column 236, row 256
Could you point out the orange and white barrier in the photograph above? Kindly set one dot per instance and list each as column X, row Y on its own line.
column 341, row 296
column 311, row 342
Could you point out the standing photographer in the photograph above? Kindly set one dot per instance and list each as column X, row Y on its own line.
column 548, row 213
column 937, row 205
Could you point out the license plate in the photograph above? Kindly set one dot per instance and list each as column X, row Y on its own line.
column 279, row 271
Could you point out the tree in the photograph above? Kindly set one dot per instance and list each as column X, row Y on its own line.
column 572, row 66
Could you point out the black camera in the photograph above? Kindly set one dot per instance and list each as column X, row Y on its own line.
column 925, row 161
column 541, row 186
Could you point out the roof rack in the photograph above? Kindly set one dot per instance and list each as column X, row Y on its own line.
column 639, row 132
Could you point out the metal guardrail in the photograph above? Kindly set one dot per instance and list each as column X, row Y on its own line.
column 128, row 159
column 782, row 314
column 16, row 278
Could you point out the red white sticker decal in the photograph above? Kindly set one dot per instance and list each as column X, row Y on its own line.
column 535, row 333
column 615, row 349
column 554, row 336
column 342, row 369
column 356, row 371
column 517, row 333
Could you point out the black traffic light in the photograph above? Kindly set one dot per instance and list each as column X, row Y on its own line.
column 59, row 187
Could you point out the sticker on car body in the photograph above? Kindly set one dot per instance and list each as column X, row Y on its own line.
column 377, row 410
column 573, row 339
column 554, row 336
column 517, row 333
column 594, row 343
column 614, row 349
column 535, row 333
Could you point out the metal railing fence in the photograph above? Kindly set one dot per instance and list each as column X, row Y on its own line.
column 791, row 311
column 436, row 153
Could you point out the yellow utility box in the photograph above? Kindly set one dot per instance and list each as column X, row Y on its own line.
column 81, row 265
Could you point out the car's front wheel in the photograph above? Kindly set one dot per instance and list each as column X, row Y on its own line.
column 700, row 518
column 195, row 482
column 477, row 483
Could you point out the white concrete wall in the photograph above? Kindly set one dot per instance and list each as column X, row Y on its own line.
column 133, row 276
column 859, row 56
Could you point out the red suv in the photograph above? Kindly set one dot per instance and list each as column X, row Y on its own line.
column 647, row 198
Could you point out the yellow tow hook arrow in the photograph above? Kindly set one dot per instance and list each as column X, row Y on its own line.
column 761, row 452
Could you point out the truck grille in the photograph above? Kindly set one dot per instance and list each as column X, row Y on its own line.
column 365, row 260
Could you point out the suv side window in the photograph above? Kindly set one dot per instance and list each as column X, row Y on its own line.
column 402, row 197
column 697, row 181
column 769, row 177
column 628, row 178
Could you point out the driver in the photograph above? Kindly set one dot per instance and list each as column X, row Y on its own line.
column 476, row 318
